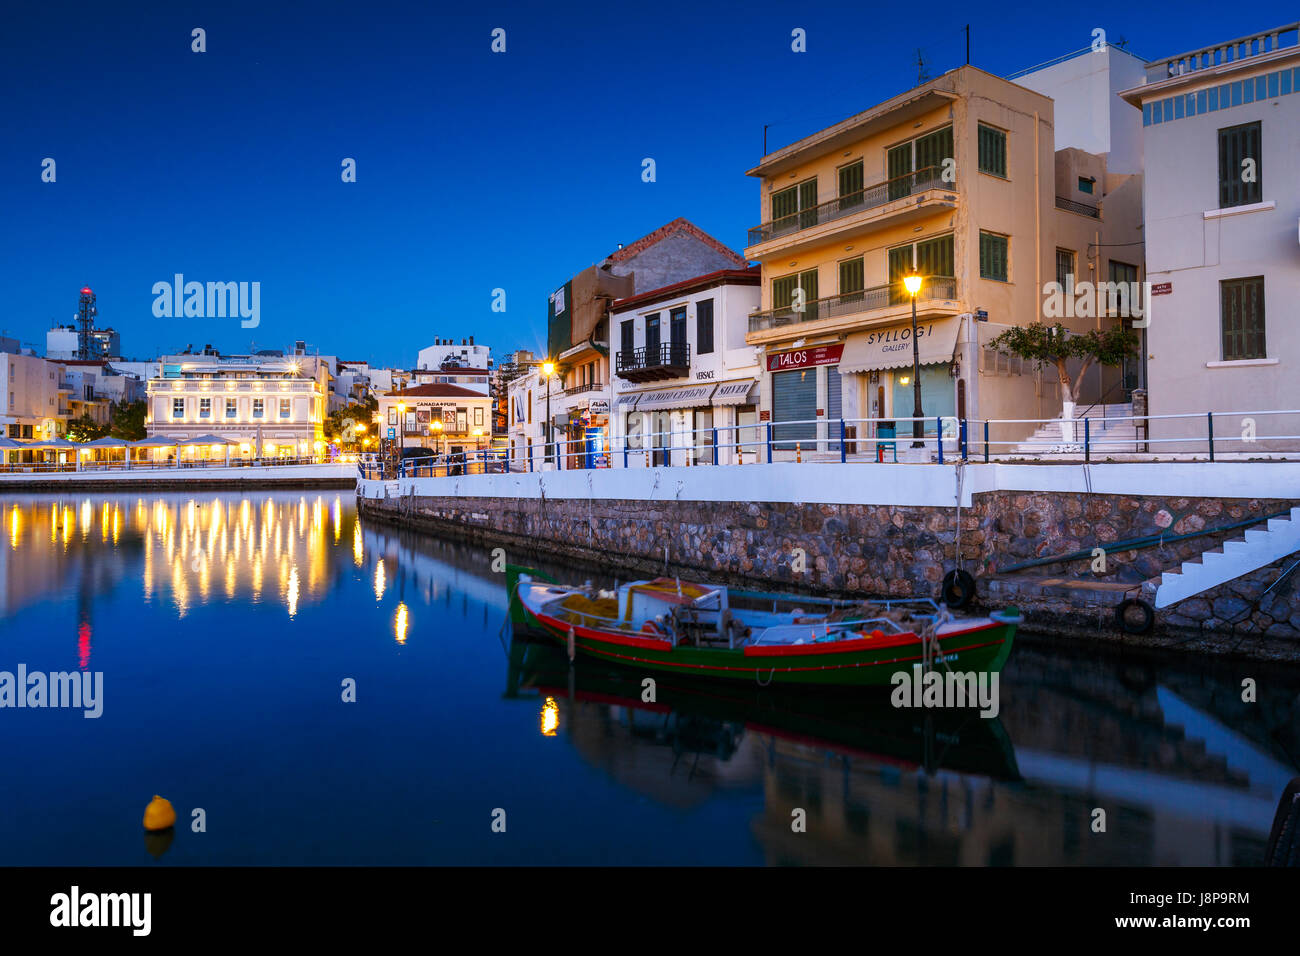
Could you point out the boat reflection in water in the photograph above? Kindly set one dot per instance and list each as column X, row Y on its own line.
column 824, row 753
column 879, row 785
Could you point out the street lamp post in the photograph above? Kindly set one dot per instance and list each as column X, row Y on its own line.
column 548, row 369
column 913, row 285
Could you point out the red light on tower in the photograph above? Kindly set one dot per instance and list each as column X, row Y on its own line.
column 86, row 291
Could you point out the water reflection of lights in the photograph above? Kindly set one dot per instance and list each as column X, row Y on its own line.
column 293, row 590
column 401, row 623
column 550, row 717
column 380, row 582
column 358, row 548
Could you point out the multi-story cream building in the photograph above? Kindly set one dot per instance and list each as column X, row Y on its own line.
column 271, row 406
column 1222, row 126
column 34, row 398
column 958, row 181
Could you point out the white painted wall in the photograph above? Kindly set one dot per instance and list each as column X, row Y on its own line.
column 876, row 484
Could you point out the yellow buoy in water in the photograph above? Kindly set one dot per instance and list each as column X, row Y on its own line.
column 159, row 815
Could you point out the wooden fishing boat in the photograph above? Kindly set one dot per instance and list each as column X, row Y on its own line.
column 710, row 631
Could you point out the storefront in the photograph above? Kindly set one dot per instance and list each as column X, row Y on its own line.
column 804, row 393
column 882, row 360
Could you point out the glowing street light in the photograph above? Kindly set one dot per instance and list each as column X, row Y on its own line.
column 913, row 285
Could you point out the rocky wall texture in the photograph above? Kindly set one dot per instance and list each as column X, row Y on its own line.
column 893, row 551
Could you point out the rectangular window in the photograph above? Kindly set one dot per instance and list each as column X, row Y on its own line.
column 1242, row 316
column 1123, row 272
column 794, row 207
column 993, row 256
column 1065, row 276
column 652, row 337
column 704, row 327
column 205, row 408
column 851, row 184
column 993, row 151
column 852, row 276
column 677, row 330
column 232, row 407
column 178, row 408
column 627, row 331
column 783, row 293
column 462, row 421
column 259, row 408
column 1085, row 185
column 933, row 257
column 284, row 408
column 478, row 417
column 1240, row 175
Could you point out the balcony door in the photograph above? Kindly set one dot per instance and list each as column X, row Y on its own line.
column 783, row 290
column 652, row 339
column 677, row 336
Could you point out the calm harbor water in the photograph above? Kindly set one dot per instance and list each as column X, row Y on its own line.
column 225, row 626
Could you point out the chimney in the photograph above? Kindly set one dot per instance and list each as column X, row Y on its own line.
column 463, row 342
column 471, row 340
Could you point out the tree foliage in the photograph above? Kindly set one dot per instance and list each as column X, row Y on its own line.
column 84, row 428
column 1056, row 345
column 128, row 421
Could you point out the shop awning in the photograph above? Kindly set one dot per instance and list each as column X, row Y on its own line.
column 740, row 392
column 891, row 347
column 625, row 403
column 684, row 396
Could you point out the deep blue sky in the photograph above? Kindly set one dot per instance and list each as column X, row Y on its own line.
column 475, row 170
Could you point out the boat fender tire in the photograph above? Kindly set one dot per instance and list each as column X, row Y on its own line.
column 1127, row 625
column 1284, row 840
column 958, row 588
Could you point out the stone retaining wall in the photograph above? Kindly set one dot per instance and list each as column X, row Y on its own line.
column 896, row 551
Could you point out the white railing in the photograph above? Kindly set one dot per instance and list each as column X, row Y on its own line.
column 938, row 440
column 171, row 464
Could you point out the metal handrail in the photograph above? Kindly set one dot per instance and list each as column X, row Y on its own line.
column 869, row 197
column 1083, row 209
column 852, row 303
column 666, row 355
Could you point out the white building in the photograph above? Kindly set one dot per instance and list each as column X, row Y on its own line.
column 445, row 352
column 33, row 397
column 1222, row 137
column 443, row 418
column 683, row 374
column 272, row 406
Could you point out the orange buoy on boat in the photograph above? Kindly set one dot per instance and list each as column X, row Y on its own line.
column 159, row 815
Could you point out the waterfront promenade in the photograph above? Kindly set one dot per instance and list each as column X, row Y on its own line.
column 215, row 477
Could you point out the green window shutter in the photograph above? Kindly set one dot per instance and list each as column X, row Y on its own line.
column 898, row 163
column 784, row 205
column 1236, row 145
column 993, row 256
column 992, row 151
column 934, row 257
column 808, row 203
column 852, row 276
column 900, row 264
column 851, row 181
column 783, row 291
column 933, row 148
column 1242, row 318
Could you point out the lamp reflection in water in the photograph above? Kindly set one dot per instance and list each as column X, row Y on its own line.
column 401, row 623
column 550, row 717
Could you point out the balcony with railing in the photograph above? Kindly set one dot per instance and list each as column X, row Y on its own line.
column 1222, row 54
column 877, row 298
column 1083, row 209
column 869, row 200
column 651, row 363
column 584, row 387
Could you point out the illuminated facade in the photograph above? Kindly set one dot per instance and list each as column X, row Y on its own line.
column 277, row 405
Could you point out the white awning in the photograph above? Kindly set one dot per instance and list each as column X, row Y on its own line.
column 891, row 347
column 739, row 392
column 684, row 396
column 625, row 403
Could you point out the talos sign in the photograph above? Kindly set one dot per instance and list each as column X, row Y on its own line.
column 805, row 358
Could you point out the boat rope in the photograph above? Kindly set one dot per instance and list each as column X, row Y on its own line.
column 961, row 476
column 572, row 644
column 769, row 677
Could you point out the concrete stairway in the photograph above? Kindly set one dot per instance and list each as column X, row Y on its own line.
column 1258, row 548
column 1104, row 433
